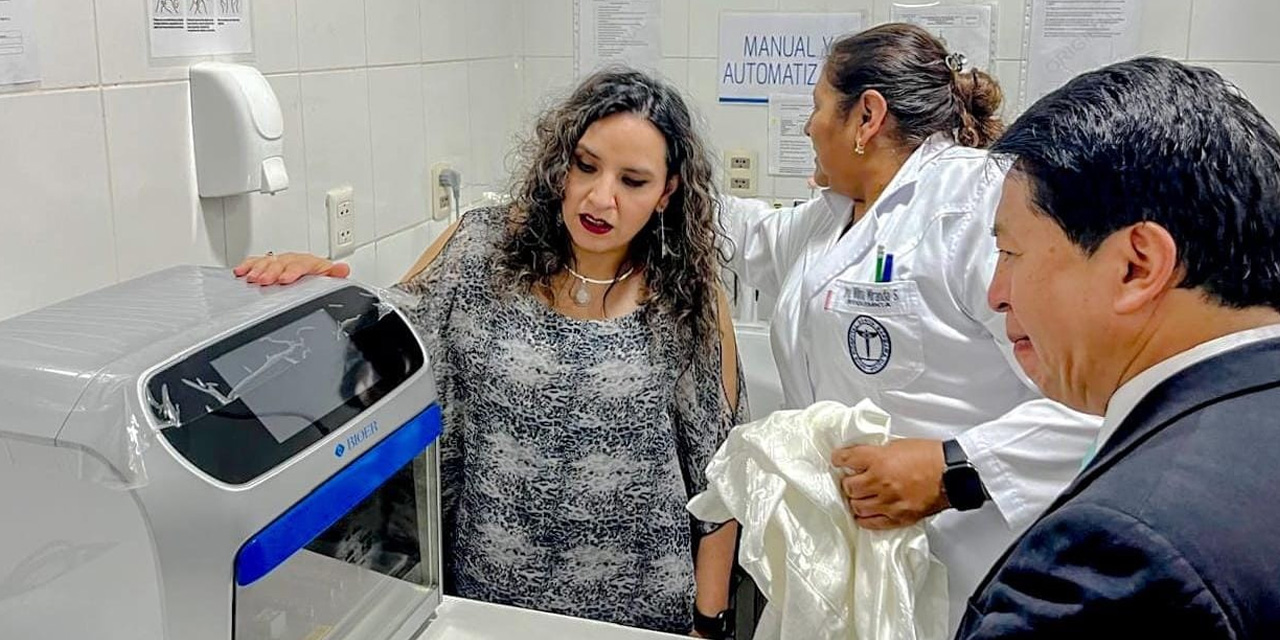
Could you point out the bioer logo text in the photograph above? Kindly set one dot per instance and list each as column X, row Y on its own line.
column 356, row 439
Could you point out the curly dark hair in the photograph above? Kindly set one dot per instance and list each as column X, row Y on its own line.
column 683, row 279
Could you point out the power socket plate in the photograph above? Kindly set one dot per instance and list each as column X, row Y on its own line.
column 340, row 207
column 441, row 203
column 741, row 172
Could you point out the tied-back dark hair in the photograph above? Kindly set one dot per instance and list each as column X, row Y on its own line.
column 1154, row 140
column 927, row 90
column 683, row 279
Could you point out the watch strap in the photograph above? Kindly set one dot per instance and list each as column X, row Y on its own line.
column 953, row 453
column 717, row 626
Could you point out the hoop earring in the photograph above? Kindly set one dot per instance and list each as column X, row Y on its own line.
column 858, row 148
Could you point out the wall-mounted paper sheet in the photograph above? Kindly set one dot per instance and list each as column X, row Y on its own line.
column 183, row 28
column 18, row 61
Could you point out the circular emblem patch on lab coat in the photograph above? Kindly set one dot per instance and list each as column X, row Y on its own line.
column 869, row 345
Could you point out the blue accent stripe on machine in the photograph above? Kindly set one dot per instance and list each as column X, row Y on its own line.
column 744, row 101
column 336, row 497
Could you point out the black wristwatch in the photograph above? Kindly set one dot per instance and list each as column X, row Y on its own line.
column 960, row 480
column 718, row 626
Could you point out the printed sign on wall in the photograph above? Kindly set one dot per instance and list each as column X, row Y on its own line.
column 769, row 53
column 182, row 28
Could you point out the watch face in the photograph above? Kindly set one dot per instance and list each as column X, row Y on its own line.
column 964, row 488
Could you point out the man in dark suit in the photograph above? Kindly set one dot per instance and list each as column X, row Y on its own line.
column 1139, row 234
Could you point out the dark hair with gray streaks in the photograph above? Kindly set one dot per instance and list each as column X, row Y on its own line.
column 537, row 247
column 926, row 90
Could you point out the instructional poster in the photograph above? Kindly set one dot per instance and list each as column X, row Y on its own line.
column 966, row 29
column 790, row 151
column 182, row 28
column 766, row 53
column 18, row 63
column 617, row 31
column 1069, row 37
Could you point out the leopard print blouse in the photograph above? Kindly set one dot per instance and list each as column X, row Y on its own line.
column 570, row 446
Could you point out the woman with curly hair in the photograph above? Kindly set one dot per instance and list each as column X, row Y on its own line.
column 586, row 366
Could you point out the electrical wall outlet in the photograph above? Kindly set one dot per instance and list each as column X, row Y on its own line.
column 339, row 204
column 442, row 204
column 741, row 175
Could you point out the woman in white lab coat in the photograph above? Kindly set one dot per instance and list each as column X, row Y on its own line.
column 881, row 294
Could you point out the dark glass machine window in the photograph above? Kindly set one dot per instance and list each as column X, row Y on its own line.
column 361, row 578
column 382, row 533
column 245, row 404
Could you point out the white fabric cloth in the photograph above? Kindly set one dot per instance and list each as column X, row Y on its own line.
column 1132, row 392
column 825, row 577
column 925, row 347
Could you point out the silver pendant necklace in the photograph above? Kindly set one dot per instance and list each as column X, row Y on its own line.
column 582, row 295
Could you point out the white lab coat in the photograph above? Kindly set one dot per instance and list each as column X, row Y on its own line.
column 925, row 347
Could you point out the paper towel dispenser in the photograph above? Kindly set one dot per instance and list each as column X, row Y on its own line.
column 238, row 131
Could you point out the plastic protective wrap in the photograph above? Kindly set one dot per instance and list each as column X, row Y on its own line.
column 74, row 374
column 825, row 577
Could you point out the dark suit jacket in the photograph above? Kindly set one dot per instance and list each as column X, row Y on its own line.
column 1173, row 531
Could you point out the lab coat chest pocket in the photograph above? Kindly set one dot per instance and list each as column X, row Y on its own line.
column 880, row 329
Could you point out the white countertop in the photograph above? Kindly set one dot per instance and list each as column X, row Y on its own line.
column 460, row 619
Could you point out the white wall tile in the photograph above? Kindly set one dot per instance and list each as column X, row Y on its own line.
column 494, row 28
column 124, row 47
column 335, row 123
column 331, row 34
column 1166, row 27
column 1237, row 30
column 676, row 71
column 53, row 173
column 258, row 223
column 444, row 30
column 788, row 188
column 881, row 12
column 397, row 120
column 446, row 88
column 397, row 253
column 675, row 28
column 866, row 7
column 67, row 43
column 394, row 31
column 1010, row 17
column 704, row 22
column 494, row 111
column 1009, row 73
column 828, row 6
column 548, row 28
column 364, row 263
column 547, row 81
column 159, row 220
column 1258, row 81
column 275, row 35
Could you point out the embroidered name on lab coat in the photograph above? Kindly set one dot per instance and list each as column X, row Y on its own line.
column 851, row 297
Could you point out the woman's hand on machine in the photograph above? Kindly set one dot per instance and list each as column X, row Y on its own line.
column 286, row 268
